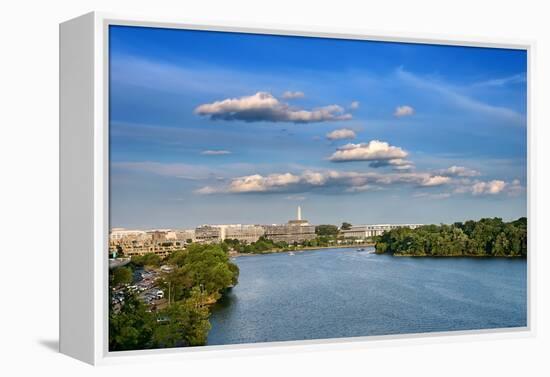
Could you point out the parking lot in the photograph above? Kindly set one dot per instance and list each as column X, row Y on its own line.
column 145, row 286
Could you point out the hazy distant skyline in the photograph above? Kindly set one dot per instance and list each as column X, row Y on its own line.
column 209, row 127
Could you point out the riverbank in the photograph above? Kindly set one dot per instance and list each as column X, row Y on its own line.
column 302, row 249
column 459, row 256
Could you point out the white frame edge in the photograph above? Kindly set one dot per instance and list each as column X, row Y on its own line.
column 84, row 214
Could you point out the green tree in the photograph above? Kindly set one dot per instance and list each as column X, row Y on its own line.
column 184, row 323
column 131, row 327
column 486, row 237
column 149, row 259
column 346, row 226
column 206, row 266
column 121, row 275
column 326, row 230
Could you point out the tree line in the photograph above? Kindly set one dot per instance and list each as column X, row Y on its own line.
column 488, row 237
column 198, row 277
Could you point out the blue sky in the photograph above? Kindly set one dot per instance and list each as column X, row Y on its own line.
column 209, row 127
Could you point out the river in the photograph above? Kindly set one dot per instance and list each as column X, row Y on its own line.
column 334, row 293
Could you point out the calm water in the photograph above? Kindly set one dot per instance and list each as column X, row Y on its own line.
column 344, row 293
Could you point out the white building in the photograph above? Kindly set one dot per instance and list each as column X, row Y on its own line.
column 372, row 230
column 121, row 233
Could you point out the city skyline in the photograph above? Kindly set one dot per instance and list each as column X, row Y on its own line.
column 209, row 127
column 298, row 217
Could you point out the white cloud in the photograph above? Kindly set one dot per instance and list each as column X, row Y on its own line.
column 380, row 153
column 263, row 106
column 219, row 180
column 403, row 111
column 292, row 95
column 458, row 171
column 491, row 187
column 342, row 133
column 354, row 105
column 436, row 180
column 259, row 183
column 215, row 152
column 347, row 181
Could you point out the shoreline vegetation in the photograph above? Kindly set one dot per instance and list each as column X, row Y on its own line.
column 191, row 281
column 273, row 249
column 488, row 237
column 302, row 249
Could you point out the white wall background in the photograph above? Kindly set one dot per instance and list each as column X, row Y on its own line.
column 29, row 182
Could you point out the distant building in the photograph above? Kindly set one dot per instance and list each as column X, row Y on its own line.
column 295, row 231
column 121, row 233
column 372, row 230
column 208, row 234
column 185, row 235
column 138, row 242
column 243, row 233
column 157, row 235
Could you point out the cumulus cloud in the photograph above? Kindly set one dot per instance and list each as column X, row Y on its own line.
column 491, row 187
column 458, row 171
column 215, row 152
column 436, row 180
column 354, row 105
column 342, row 133
column 263, row 106
column 292, row 95
column 403, row 111
column 259, row 183
column 379, row 153
column 348, row 181
column 477, row 187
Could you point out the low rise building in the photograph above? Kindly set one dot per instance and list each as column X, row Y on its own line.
column 366, row 231
column 208, row 234
column 243, row 233
column 138, row 242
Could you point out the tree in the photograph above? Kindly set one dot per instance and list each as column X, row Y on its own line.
column 486, row 237
column 121, row 275
column 186, row 323
column 131, row 327
column 149, row 259
column 206, row 266
column 326, row 230
column 346, row 226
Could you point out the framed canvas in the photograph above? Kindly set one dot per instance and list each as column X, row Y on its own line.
column 251, row 189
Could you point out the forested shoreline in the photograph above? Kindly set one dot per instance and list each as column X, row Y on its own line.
column 488, row 237
column 197, row 277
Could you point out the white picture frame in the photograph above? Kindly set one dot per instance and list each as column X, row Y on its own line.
column 84, row 191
